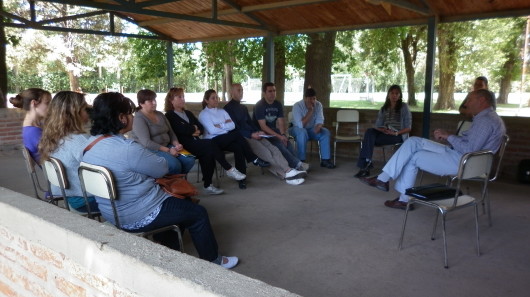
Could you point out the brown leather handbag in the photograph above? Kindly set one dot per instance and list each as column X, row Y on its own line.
column 177, row 186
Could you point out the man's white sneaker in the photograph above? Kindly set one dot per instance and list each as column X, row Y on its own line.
column 235, row 174
column 294, row 174
column 211, row 190
column 295, row 182
column 229, row 262
column 303, row 167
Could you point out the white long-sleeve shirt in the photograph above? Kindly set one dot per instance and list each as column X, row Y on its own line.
column 216, row 122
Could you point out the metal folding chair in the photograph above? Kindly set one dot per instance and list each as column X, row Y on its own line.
column 99, row 181
column 56, row 175
column 343, row 117
column 473, row 166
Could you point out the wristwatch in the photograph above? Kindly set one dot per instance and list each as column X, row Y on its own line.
column 396, row 133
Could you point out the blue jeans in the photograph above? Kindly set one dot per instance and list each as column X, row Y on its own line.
column 302, row 135
column 177, row 165
column 190, row 216
column 286, row 150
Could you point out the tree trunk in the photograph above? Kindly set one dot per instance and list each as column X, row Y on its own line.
column 74, row 80
column 406, row 43
column 228, row 80
column 506, row 78
column 448, row 63
column 279, row 68
column 318, row 58
column 506, row 81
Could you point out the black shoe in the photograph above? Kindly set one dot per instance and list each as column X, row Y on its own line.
column 362, row 173
column 242, row 184
column 327, row 164
column 259, row 162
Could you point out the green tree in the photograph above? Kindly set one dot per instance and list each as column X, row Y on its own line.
column 392, row 49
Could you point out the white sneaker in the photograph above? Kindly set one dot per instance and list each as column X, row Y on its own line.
column 295, row 182
column 211, row 190
column 235, row 174
column 303, row 167
column 294, row 174
column 229, row 262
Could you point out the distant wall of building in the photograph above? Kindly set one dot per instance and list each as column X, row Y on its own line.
column 518, row 148
column 46, row 251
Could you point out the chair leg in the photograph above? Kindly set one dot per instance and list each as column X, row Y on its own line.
column 487, row 207
column 403, row 227
column 446, row 265
column 434, row 225
column 477, row 229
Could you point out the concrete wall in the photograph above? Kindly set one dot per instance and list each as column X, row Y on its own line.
column 518, row 148
column 47, row 251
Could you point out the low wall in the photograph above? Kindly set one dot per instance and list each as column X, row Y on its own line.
column 49, row 252
column 517, row 150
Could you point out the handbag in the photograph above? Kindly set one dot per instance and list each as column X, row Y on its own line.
column 177, row 186
column 432, row 192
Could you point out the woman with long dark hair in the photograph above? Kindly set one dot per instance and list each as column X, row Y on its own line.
column 393, row 124
column 143, row 205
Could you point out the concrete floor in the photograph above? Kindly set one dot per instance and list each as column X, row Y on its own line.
column 332, row 236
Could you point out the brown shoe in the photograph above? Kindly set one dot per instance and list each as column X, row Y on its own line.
column 398, row 204
column 374, row 182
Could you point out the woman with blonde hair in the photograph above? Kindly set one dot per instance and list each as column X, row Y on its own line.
column 35, row 102
column 64, row 137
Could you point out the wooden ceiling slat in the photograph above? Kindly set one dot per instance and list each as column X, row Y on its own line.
column 191, row 19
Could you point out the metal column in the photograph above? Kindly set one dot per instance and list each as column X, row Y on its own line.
column 429, row 75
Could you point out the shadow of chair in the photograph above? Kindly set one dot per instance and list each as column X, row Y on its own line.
column 473, row 166
column 344, row 117
column 41, row 191
column 99, row 181
column 56, row 175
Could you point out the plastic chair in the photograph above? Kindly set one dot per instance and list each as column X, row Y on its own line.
column 99, row 181
column 56, row 175
column 41, row 192
column 346, row 116
column 473, row 166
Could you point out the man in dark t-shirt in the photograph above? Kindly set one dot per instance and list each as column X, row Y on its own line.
column 268, row 115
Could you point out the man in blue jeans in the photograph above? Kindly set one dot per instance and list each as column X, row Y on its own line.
column 308, row 118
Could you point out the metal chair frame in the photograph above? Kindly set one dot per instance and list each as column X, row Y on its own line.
column 56, row 175
column 99, row 181
column 473, row 166
column 41, row 191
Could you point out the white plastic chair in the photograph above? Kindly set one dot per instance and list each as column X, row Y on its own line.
column 343, row 117
column 473, row 166
column 99, row 181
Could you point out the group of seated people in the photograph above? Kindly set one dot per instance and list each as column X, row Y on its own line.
column 56, row 127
